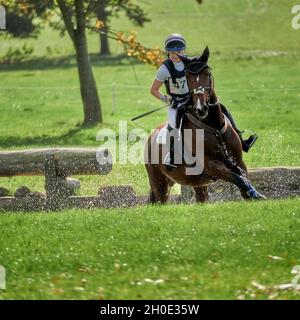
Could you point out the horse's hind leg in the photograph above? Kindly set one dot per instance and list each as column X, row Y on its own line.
column 160, row 185
column 201, row 194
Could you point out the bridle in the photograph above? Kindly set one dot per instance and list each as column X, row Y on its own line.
column 197, row 71
column 192, row 112
column 196, row 68
column 196, row 118
column 200, row 89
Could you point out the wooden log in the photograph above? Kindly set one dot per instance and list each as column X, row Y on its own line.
column 69, row 161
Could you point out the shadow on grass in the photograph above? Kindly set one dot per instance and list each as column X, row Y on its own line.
column 65, row 62
column 67, row 138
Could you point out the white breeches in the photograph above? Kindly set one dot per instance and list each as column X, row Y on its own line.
column 172, row 117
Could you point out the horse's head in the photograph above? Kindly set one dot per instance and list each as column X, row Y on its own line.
column 199, row 81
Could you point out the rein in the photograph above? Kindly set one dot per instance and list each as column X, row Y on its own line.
column 209, row 128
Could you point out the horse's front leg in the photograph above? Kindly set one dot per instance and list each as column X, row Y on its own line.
column 201, row 194
column 218, row 170
column 160, row 184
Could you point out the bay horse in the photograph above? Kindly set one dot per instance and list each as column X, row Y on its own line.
column 221, row 147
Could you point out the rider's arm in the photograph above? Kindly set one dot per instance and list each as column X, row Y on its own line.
column 155, row 90
column 161, row 76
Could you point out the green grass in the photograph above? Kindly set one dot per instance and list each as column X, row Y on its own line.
column 210, row 251
column 199, row 251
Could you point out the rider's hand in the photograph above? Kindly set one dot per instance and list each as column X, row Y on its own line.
column 166, row 99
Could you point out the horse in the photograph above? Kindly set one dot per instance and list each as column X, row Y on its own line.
column 221, row 149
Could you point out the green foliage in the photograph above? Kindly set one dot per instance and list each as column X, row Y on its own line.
column 20, row 26
column 22, row 17
column 133, row 11
column 17, row 55
column 21, row 14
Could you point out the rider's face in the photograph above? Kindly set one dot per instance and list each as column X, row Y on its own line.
column 173, row 55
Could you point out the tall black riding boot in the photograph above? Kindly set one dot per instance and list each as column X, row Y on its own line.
column 246, row 144
column 170, row 156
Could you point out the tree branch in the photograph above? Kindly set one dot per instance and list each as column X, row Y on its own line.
column 80, row 16
column 67, row 17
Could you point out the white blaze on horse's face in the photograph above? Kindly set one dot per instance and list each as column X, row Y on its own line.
column 198, row 91
column 199, row 94
column 199, row 105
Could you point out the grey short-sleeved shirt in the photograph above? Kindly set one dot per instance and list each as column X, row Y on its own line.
column 163, row 75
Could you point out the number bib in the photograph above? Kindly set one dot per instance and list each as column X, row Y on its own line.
column 180, row 87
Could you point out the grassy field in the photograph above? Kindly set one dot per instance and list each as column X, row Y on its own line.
column 211, row 251
column 173, row 252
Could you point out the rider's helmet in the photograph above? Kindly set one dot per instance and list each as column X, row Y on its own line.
column 175, row 42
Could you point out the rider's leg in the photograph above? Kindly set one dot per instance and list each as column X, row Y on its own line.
column 246, row 144
column 176, row 112
column 172, row 127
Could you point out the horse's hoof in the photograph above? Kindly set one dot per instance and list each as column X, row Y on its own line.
column 261, row 196
column 254, row 195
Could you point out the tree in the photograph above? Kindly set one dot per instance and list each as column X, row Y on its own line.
column 20, row 26
column 75, row 14
column 106, row 9
column 20, row 16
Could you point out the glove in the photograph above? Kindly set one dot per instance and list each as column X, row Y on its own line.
column 166, row 99
column 181, row 103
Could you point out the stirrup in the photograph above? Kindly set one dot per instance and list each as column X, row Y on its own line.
column 247, row 144
column 168, row 162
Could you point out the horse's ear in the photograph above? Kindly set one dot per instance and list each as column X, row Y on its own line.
column 205, row 55
column 186, row 60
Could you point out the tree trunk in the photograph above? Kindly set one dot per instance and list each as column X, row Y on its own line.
column 104, row 45
column 88, row 89
column 102, row 15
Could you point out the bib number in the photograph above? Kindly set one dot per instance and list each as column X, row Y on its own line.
column 180, row 87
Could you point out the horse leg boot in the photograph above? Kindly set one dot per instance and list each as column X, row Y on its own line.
column 246, row 144
column 218, row 170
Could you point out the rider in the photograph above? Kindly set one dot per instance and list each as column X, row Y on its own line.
column 172, row 74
